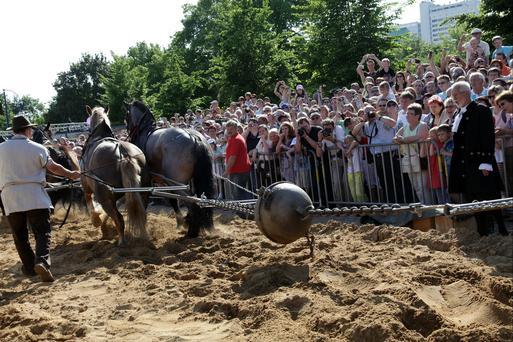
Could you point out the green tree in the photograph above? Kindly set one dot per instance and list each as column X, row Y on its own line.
column 495, row 18
column 339, row 32
column 151, row 74
column 78, row 87
column 248, row 57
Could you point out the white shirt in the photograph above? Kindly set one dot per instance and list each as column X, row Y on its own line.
column 23, row 175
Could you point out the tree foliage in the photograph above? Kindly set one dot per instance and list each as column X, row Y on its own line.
column 227, row 47
column 78, row 87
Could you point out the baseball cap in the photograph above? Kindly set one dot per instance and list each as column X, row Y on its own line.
column 476, row 30
column 496, row 37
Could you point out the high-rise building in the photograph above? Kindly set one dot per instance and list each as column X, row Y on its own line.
column 413, row 28
column 433, row 25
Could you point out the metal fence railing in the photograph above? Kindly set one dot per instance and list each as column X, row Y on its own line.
column 369, row 174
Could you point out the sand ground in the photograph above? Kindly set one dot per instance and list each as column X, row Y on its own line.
column 366, row 283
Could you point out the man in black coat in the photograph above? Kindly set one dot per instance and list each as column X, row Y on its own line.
column 474, row 173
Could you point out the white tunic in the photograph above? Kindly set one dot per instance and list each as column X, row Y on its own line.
column 23, row 175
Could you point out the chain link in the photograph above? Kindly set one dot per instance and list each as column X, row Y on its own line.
column 247, row 208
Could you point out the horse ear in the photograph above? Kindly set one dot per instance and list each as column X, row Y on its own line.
column 89, row 111
column 107, row 109
column 47, row 126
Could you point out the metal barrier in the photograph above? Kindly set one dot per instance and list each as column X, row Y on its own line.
column 369, row 174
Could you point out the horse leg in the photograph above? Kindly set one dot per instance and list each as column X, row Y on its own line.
column 95, row 216
column 107, row 232
column 199, row 219
column 108, row 203
column 178, row 213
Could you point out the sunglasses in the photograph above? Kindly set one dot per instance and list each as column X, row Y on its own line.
column 502, row 104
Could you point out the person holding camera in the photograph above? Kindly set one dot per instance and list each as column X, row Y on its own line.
column 307, row 138
column 381, row 130
column 283, row 92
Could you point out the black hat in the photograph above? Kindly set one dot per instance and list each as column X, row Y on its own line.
column 20, row 122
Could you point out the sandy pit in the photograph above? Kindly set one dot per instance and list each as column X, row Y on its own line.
column 366, row 283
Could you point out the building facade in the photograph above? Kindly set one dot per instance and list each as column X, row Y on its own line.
column 433, row 17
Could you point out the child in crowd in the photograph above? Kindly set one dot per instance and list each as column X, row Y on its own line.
column 445, row 137
column 435, row 168
column 354, row 170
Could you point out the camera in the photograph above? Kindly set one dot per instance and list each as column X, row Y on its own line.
column 301, row 132
column 326, row 132
column 371, row 115
column 246, row 109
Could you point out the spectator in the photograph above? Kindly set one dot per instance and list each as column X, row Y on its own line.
column 285, row 149
column 450, row 109
column 437, row 115
column 237, row 161
column 506, row 50
column 444, row 83
column 354, row 170
column 477, row 82
column 380, row 130
column 444, row 135
column 415, row 131
column 405, row 100
column 400, row 83
column 386, row 91
column 307, row 137
column 474, row 44
column 494, row 72
column 474, row 174
column 283, row 92
column 505, row 70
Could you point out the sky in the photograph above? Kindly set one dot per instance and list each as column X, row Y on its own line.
column 39, row 39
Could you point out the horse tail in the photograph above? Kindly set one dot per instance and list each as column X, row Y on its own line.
column 203, row 181
column 131, row 178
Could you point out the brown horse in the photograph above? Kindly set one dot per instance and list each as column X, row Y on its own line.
column 179, row 155
column 109, row 163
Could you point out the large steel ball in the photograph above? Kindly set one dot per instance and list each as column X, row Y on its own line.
column 282, row 212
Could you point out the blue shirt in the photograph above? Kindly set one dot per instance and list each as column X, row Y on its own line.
column 507, row 50
column 378, row 133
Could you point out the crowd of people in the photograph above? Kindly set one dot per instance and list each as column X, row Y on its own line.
column 319, row 140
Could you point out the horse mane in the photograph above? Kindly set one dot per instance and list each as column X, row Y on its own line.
column 102, row 130
column 143, row 108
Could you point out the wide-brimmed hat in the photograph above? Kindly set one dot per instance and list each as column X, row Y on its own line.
column 20, row 122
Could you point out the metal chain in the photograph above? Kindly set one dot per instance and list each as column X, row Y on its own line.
column 246, row 208
column 417, row 208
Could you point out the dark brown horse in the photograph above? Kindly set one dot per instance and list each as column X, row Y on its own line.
column 180, row 155
column 109, row 163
